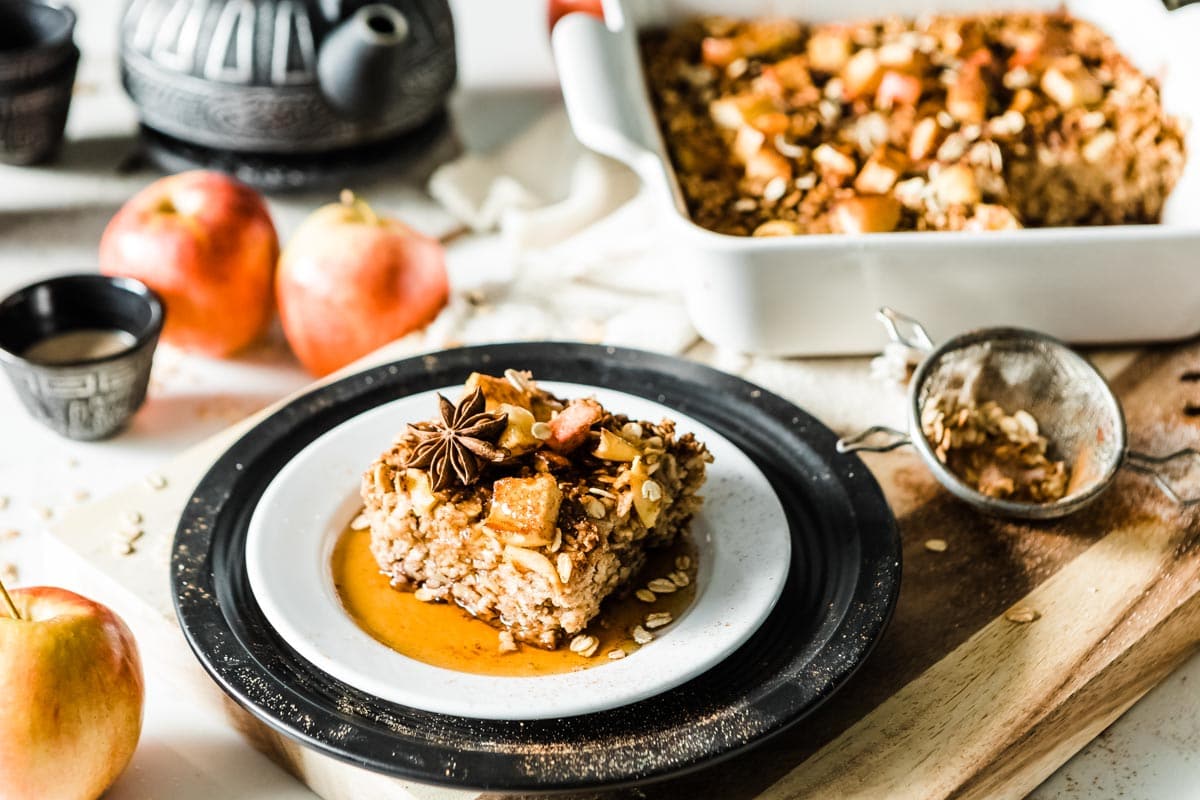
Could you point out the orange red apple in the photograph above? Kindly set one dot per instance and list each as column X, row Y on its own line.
column 350, row 281
column 205, row 242
column 71, row 690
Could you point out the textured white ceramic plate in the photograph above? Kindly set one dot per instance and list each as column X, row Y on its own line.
column 741, row 536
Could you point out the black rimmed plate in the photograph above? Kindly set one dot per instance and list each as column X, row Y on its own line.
column 841, row 588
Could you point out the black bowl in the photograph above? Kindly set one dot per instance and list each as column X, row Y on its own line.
column 90, row 398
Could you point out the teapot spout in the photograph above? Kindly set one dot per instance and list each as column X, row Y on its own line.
column 358, row 61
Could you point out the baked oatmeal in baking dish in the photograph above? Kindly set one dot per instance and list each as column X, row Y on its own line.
column 527, row 510
column 980, row 122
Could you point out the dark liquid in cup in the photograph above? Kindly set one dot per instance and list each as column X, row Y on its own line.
column 81, row 345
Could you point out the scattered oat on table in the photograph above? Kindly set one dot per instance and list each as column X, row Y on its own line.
column 10, row 534
column 156, row 481
column 1022, row 615
column 3, row 502
column 120, row 547
column 935, row 545
column 44, row 512
column 81, row 495
column 132, row 517
column 10, row 573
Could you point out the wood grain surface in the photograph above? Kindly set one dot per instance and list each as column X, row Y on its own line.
column 957, row 700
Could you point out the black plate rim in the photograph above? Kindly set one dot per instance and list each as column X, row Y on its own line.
column 876, row 590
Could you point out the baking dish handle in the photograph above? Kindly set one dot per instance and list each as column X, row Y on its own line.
column 604, row 92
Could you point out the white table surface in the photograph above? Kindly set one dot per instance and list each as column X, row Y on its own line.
column 50, row 222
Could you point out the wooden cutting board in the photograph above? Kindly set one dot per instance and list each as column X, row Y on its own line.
column 958, row 700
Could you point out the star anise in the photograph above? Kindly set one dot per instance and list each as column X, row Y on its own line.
column 459, row 445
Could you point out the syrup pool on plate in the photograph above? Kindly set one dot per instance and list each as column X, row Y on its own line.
column 444, row 635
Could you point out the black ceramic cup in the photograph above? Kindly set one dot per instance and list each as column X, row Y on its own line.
column 38, row 59
column 81, row 397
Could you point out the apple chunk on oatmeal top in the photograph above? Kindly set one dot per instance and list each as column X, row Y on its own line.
column 525, row 509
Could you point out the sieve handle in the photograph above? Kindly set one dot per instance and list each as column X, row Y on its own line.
column 888, row 439
column 904, row 329
column 1152, row 466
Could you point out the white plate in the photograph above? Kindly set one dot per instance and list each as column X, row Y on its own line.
column 741, row 535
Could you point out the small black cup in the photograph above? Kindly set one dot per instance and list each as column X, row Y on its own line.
column 90, row 398
column 38, row 59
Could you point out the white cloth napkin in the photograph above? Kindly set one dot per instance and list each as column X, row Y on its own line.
column 537, row 190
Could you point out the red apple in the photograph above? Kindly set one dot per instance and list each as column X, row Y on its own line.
column 350, row 281
column 206, row 244
column 557, row 9
column 72, row 692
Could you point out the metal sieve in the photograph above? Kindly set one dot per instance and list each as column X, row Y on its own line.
column 1075, row 408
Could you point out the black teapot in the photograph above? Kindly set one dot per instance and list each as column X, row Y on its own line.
column 287, row 76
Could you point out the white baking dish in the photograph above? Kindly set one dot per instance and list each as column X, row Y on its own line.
column 815, row 295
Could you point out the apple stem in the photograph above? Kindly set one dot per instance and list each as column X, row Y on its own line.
column 351, row 200
column 8, row 601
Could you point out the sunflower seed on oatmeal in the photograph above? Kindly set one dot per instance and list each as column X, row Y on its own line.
column 661, row 586
column 424, row 595
column 616, row 654
column 540, row 431
column 642, row 636
column 632, row 430
column 360, row 523
column 658, row 619
column 645, row 595
column 1022, row 615
column 651, row 491
column 935, row 545
column 156, row 481
column 563, row 567
column 682, row 562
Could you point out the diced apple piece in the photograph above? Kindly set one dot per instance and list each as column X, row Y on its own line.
column 897, row 88
column 881, row 171
column 898, row 56
column 955, row 185
column 647, row 493
column 420, row 491
column 570, row 428
column 747, row 142
column 719, row 51
column 772, row 123
column 1068, row 83
column 830, row 159
column 767, row 165
column 527, row 507
column 735, row 110
column 991, row 217
column 966, row 98
column 497, row 391
column 615, row 448
column 869, row 214
column 862, row 74
column 788, row 75
column 828, row 49
column 517, row 437
column 763, row 36
column 777, row 227
column 925, row 139
column 531, row 561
